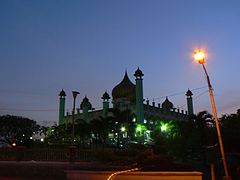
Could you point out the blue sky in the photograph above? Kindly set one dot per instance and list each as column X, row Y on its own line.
column 87, row 45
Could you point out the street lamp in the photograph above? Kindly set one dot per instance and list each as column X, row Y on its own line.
column 199, row 56
column 74, row 93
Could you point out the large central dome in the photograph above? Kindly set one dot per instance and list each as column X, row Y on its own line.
column 125, row 89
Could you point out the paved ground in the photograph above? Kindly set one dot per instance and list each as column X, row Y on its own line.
column 33, row 170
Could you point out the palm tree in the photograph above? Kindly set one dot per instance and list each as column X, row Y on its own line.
column 200, row 134
column 192, row 137
column 230, row 125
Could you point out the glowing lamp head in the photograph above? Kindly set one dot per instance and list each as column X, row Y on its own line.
column 139, row 128
column 123, row 129
column 199, row 56
column 14, row 144
column 164, row 128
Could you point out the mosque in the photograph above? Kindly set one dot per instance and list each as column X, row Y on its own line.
column 127, row 95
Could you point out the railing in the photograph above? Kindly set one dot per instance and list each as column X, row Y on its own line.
column 46, row 154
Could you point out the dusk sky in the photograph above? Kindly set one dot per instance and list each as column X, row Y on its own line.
column 86, row 45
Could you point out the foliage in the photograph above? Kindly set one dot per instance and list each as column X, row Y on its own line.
column 122, row 119
column 230, row 128
column 57, row 135
column 163, row 132
column 100, row 128
column 82, row 131
column 16, row 128
column 185, row 140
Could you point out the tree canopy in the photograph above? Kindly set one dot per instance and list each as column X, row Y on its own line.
column 230, row 124
column 16, row 128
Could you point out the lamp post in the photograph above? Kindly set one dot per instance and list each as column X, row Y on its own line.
column 74, row 93
column 199, row 56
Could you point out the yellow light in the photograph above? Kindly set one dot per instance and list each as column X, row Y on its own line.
column 199, row 56
column 121, row 172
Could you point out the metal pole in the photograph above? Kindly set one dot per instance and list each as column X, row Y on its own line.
column 73, row 123
column 75, row 93
column 217, row 124
column 212, row 171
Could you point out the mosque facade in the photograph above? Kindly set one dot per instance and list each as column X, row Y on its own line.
column 127, row 95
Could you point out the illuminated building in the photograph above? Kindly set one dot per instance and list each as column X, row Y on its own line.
column 127, row 95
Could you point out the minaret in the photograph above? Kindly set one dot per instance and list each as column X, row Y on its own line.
column 105, row 99
column 62, row 96
column 189, row 102
column 85, row 106
column 139, row 96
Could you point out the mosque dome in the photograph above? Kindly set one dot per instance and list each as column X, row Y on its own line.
column 105, row 96
column 85, row 102
column 125, row 89
column 62, row 93
column 189, row 93
column 167, row 104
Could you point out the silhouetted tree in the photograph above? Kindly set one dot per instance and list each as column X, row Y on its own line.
column 19, row 129
column 57, row 135
column 192, row 138
column 230, row 128
column 122, row 119
column 82, row 131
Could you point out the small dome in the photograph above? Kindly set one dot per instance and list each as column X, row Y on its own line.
column 189, row 93
column 85, row 102
column 62, row 93
column 125, row 89
column 167, row 104
column 138, row 73
column 105, row 96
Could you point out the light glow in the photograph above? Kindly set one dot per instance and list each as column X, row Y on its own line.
column 139, row 128
column 123, row 129
column 167, row 127
column 164, row 127
column 199, row 56
column 121, row 172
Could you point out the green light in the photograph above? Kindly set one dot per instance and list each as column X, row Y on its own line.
column 167, row 128
column 139, row 128
column 164, row 128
